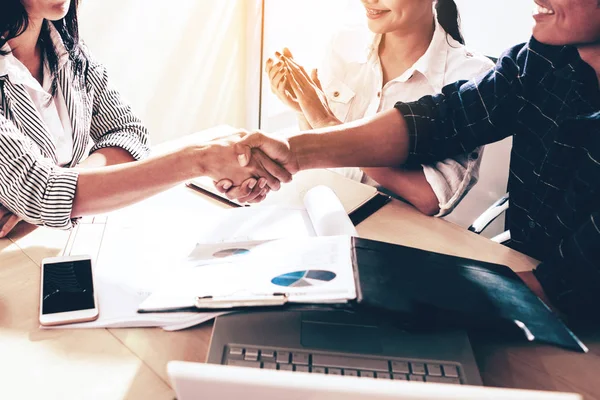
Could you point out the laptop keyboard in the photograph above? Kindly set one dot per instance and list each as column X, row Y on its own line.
column 316, row 363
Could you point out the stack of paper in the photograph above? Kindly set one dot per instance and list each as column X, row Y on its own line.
column 135, row 260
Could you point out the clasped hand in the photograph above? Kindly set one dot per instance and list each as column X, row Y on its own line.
column 246, row 166
column 301, row 92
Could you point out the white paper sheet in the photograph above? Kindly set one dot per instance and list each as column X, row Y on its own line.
column 133, row 258
column 118, row 305
column 327, row 213
column 136, row 258
column 322, row 215
column 308, row 270
column 248, row 223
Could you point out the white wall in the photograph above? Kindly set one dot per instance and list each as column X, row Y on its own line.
column 492, row 26
column 181, row 64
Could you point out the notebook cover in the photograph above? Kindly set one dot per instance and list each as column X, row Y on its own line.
column 425, row 287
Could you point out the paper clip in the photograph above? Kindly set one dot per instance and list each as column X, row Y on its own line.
column 247, row 300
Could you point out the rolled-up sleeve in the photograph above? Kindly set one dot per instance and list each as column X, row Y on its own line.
column 113, row 122
column 466, row 115
column 452, row 178
column 32, row 186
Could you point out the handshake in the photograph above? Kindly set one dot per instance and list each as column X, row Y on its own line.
column 247, row 166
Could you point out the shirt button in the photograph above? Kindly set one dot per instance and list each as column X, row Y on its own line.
column 474, row 155
column 531, row 224
column 336, row 94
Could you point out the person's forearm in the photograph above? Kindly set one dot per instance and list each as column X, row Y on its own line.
column 411, row 185
column 303, row 122
column 105, row 189
column 381, row 141
column 105, row 157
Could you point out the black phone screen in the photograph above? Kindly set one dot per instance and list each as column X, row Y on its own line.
column 67, row 287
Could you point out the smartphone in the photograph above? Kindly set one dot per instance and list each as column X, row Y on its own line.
column 67, row 292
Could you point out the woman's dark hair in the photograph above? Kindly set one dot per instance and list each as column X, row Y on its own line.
column 14, row 21
column 449, row 19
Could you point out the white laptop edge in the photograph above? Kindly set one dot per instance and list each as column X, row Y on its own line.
column 210, row 381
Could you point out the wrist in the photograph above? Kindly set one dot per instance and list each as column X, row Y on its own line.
column 333, row 121
column 327, row 122
column 195, row 160
column 305, row 147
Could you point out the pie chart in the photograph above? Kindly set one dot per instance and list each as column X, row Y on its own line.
column 230, row 252
column 313, row 277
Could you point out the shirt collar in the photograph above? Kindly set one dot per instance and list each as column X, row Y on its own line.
column 19, row 74
column 432, row 64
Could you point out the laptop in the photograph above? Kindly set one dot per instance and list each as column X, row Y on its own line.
column 216, row 382
column 341, row 343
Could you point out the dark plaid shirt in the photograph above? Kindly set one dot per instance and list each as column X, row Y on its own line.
column 547, row 98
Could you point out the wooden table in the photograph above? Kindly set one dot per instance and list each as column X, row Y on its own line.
column 131, row 363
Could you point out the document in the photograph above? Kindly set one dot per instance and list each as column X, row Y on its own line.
column 322, row 215
column 244, row 242
column 308, row 270
column 135, row 258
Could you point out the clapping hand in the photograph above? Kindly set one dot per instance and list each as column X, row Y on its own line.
column 308, row 93
column 277, row 72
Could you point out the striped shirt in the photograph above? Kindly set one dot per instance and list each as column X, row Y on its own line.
column 548, row 99
column 51, row 106
column 32, row 185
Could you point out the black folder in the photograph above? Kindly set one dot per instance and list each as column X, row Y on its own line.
column 418, row 288
column 429, row 288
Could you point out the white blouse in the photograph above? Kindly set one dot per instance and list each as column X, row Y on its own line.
column 52, row 109
column 352, row 79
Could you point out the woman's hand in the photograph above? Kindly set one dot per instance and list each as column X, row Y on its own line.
column 277, row 72
column 8, row 221
column 221, row 159
column 251, row 191
column 259, row 145
column 309, row 95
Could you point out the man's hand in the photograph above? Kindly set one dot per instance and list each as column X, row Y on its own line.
column 249, row 147
column 276, row 149
column 8, row 221
column 251, row 190
column 220, row 159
